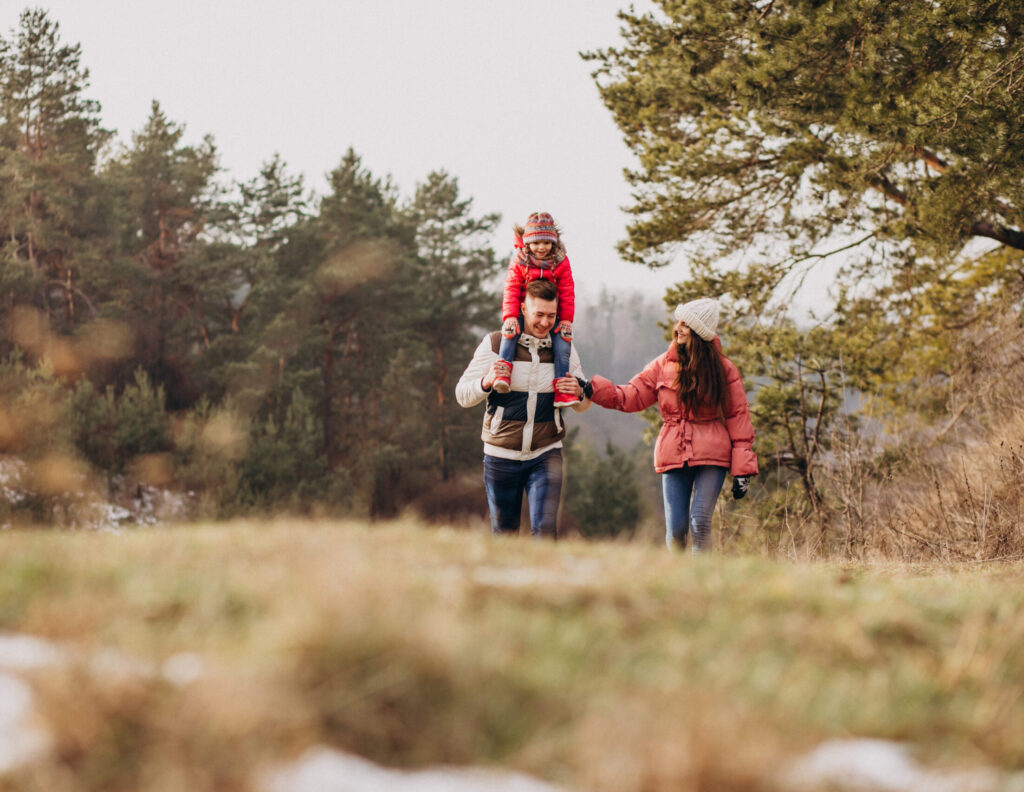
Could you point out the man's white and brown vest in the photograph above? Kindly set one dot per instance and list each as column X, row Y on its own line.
column 525, row 418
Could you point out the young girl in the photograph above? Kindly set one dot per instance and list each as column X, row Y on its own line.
column 706, row 430
column 539, row 254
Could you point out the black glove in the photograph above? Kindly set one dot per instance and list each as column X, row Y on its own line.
column 588, row 387
column 740, row 485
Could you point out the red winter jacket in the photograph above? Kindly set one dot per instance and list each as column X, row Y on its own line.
column 523, row 268
column 701, row 439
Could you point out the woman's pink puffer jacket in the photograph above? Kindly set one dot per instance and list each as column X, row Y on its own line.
column 685, row 438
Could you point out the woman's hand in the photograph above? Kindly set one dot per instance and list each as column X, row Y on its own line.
column 740, row 485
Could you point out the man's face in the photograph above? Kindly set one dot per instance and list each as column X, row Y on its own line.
column 539, row 316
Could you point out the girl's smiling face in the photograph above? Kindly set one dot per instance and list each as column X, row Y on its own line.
column 540, row 249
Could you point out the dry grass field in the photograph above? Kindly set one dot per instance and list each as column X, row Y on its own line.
column 597, row 666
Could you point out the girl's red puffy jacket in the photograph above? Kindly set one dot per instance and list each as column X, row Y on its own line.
column 704, row 438
column 523, row 268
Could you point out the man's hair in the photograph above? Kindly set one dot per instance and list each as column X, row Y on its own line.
column 541, row 289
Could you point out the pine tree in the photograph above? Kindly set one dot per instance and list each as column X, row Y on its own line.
column 50, row 136
column 169, row 204
column 801, row 120
column 453, row 269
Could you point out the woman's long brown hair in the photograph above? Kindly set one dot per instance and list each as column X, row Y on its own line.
column 701, row 381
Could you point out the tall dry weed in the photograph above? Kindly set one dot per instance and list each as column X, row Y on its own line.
column 950, row 491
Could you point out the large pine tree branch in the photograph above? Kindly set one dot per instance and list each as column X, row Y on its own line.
column 1010, row 237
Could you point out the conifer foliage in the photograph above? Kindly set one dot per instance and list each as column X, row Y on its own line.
column 863, row 144
column 899, row 120
column 252, row 344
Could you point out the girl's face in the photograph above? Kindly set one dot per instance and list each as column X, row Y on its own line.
column 681, row 333
column 541, row 249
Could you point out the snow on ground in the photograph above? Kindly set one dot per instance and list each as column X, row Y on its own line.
column 881, row 766
column 141, row 506
column 326, row 770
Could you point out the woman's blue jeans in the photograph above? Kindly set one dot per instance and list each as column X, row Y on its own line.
column 559, row 346
column 690, row 495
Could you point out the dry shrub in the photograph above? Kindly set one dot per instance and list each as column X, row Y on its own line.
column 950, row 491
column 647, row 744
column 460, row 501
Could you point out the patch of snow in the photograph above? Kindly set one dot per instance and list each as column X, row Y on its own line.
column 124, row 505
column 21, row 740
column 24, row 653
column 182, row 668
column 866, row 765
column 323, row 769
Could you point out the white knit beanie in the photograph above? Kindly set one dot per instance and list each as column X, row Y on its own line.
column 701, row 316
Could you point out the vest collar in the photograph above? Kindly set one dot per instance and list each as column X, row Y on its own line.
column 531, row 342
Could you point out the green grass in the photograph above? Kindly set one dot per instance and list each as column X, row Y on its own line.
column 620, row 667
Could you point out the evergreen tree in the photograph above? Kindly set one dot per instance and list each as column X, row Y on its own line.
column 454, row 268
column 50, row 217
column 602, row 492
column 803, row 120
column 169, row 203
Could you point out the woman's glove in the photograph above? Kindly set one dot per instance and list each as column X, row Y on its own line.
column 510, row 328
column 740, row 485
column 565, row 328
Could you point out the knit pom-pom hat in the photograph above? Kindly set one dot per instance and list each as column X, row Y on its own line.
column 540, row 227
column 701, row 316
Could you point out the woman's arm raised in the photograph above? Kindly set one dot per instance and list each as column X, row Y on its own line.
column 638, row 394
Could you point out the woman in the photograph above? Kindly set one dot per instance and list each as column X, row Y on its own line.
column 706, row 428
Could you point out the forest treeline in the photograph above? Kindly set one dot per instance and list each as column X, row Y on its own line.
column 253, row 344
column 257, row 344
column 266, row 347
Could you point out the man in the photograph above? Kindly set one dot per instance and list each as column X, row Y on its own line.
column 523, row 430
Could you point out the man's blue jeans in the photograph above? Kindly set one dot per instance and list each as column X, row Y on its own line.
column 541, row 479
column 690, row 495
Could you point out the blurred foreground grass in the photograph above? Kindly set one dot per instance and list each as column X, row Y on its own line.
column 598, row 666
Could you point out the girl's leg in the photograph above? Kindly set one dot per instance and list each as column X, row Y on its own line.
column 561, row 348
column 676, row 487
column 707, row 483
column 507, row 350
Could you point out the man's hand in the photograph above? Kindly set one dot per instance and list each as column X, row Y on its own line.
column 500, row 368
column 565, row 328
column 569, row 385
column 740, row 485
column 510, row 328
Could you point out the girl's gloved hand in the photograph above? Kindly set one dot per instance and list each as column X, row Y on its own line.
column 510, row 328
column 740, row 485
column 565, row 328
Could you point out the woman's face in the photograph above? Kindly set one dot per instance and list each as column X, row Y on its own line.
column 681, row 333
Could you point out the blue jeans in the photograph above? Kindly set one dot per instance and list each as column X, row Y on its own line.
column 505, row 481
column 559, row 346
column 684, row 513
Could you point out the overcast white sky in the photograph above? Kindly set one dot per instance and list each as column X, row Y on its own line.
column 493, row 92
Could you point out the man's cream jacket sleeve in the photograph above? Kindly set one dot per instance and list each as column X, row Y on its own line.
column 468, row 390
